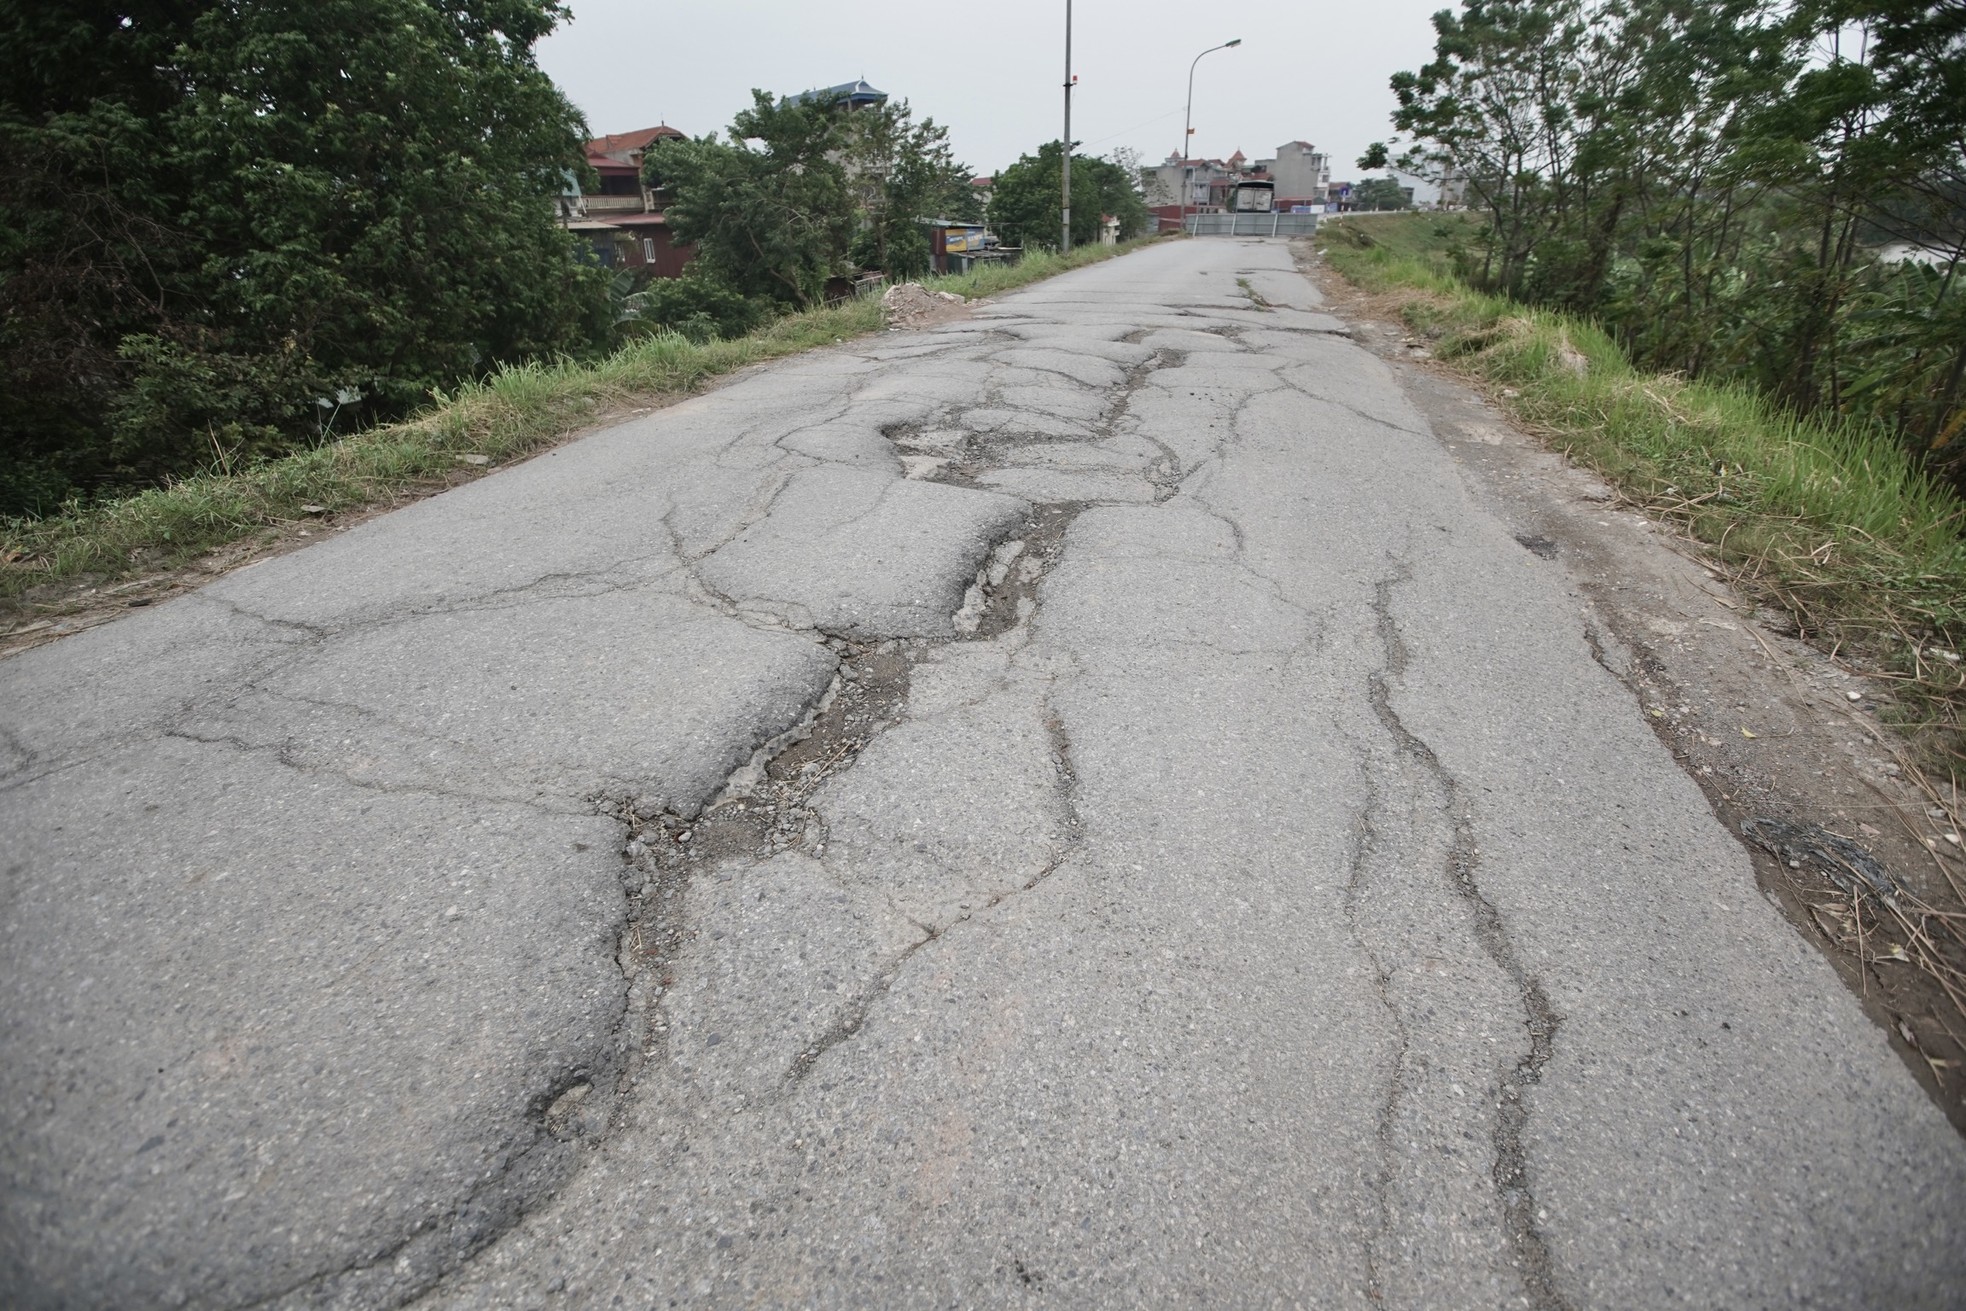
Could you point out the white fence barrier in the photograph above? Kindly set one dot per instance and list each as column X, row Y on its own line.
column 1273, row 224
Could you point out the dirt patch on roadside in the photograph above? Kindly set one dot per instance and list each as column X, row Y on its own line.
column 908, row 305
column 1790, row 745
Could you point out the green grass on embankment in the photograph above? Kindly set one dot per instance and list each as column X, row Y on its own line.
column 1831, row 522
column 508, row 415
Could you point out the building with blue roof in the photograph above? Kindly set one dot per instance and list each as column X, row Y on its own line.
column 850, row 95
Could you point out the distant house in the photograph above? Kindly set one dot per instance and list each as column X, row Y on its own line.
column 1302, row 173
column 629, row 147
column 847, row 95
column 623, row 221
column 1178, row 182
column 1453, row 187
column 1204, row 186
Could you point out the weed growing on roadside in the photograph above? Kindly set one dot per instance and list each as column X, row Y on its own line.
column 510, row 413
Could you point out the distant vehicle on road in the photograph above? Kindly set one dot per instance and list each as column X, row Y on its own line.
column 1253, row 197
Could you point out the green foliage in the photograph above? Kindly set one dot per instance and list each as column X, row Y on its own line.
column 696, row 306
column 1711, row 182
column 902, row 172
column 1380, row 193
column 772, row 221
column 1024, row 207
column 215, row 210
column 801, row 193
column 184, row 406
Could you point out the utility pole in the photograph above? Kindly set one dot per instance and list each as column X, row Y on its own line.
column 1065, row 172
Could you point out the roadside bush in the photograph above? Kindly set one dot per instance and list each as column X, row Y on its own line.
column 184, row 409
column 214, row 214
column 697, row 305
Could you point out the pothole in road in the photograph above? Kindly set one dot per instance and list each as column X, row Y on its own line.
column 759, row 817
column 769, row 813
column 766, row 807
column 570, row 1114
column 948, row 452
column 765, row 810
column 1006, row 589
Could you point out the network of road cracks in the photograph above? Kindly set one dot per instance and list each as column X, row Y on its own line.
column 948, row 795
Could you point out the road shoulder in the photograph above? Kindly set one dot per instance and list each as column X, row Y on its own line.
column 1770, row 728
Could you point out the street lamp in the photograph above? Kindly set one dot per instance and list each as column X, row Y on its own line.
column 1187, row 127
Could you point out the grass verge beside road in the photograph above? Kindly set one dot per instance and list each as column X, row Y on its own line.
column 1832, row 523
column 510, row 414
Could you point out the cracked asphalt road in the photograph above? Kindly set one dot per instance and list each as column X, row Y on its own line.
column 1075, row 807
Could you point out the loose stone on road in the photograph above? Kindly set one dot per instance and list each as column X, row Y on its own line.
column 1077, row 805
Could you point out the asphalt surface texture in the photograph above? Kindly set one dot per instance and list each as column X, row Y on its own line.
column 1076, row 806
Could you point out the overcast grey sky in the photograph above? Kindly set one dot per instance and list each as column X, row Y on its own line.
column 991, row 72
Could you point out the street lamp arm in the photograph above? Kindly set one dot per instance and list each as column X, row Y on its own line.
column 1211, row 50
column 1188, row 126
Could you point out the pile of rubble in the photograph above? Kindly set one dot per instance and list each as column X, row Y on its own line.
column 911, row 305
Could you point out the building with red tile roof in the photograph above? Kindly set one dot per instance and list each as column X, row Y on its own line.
column 622, row 220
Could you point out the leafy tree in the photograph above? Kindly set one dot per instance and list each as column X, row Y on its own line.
column 696, row 305
column 772, row 221
column 1871, row 144
column 1495, row 103
column 1024, row 207
column 216, row 211
column 1380, row 193
column 1024, row 204
column 902, row 172
column 1711, row 180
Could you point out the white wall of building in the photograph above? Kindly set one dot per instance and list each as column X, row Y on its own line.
column 1302, row 172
